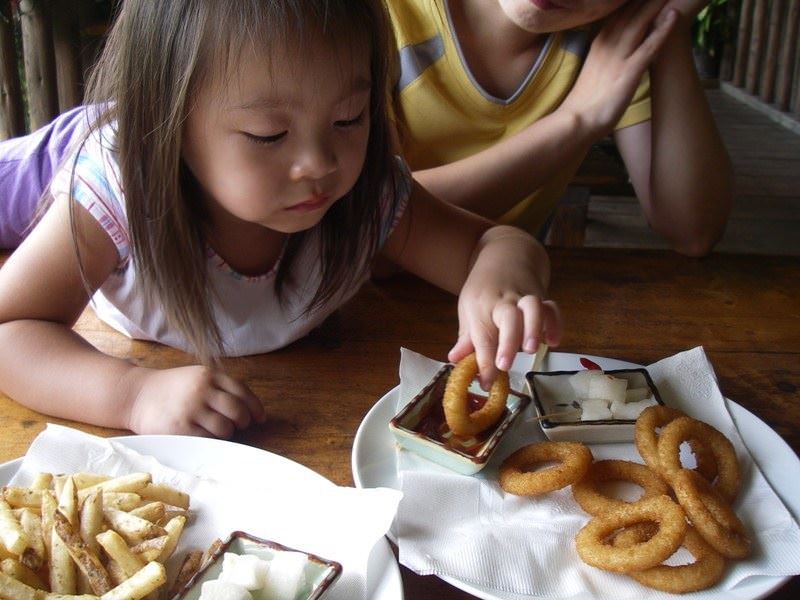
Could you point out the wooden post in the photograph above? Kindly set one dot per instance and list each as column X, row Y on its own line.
column 787, row 60
column 37, row 48
column 742, row 43
column 756, row 50
column 776, row 12
column 66, row 47
column 12, row 118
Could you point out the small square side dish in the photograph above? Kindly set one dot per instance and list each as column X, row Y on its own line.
column 591, row 406
column 245, row 566
column 421, row 427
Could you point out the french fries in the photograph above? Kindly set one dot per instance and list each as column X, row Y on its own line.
column 89, row 536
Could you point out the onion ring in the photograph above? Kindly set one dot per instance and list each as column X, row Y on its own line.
column 591, row 546
column 646, row 440
column 456, row 402
column 706, row 570
column 594, row 502
column 711, row 515
column 685, row 428
column 574, row 461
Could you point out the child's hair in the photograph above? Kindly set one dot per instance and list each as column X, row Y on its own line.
column 158, row 53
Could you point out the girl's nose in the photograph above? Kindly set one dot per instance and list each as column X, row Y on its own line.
column 314, row 161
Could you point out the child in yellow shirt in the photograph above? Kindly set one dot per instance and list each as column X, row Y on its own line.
column 499, row 101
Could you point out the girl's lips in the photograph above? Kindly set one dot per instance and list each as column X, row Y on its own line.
column 312, row 203
column 543, row 4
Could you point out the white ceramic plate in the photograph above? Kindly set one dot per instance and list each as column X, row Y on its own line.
column 374, row 465
column 222, row 460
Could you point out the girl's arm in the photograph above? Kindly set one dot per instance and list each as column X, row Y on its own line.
column 677, row 162
column 46, row 366
column 494, row 180
column 500, row 273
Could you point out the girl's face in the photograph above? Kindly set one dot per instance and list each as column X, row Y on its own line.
column 284, row 138
column 545, row 16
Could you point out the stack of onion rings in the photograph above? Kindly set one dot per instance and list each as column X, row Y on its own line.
column 646, row 440
column 515, row 477
column 711, row 515
column 685, row 428
column 705, row 571
column 456, row 401
column 593, row 549
column 594, row 502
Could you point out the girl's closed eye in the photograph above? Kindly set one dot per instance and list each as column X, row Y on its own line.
column 352, row 122
column 265, row 139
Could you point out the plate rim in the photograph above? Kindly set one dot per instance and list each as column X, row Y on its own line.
column 392, row 578
column 771, row 583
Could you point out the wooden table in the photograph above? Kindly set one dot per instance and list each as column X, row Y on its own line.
column 634, row 305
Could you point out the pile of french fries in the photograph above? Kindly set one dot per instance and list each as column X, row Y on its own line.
column 90, row 536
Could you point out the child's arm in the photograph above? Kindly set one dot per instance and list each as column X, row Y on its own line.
column 677, row 161
column 494, row 180
column 502, row 274
column 49, row 368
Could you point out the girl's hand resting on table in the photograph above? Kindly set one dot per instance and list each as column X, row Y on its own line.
column 193, row 400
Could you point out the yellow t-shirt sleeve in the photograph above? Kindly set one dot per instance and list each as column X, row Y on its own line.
column 639, row 109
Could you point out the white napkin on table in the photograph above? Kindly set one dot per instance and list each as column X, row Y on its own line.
column 337, row 523
column 467, row 528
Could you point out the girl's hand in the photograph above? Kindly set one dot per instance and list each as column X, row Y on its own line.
column 617, row 60
column 193, row 401
column 501, row 308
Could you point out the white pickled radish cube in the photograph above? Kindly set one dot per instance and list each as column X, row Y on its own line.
column 607, row 388
column 223, row 590
column 631, row 410
column 246, row 570
column 636, row 394
column 580, row 381
column 286, row 576
column 595, row 410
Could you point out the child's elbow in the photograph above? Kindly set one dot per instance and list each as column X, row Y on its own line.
column 696, row 247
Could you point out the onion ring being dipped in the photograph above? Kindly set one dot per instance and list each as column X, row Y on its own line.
column 685, row 428
column 711, row 515
column 593, row 549
column 456, row 400
column 706, row 570
column 646, row 440
column 515, row 478
column 594, row 502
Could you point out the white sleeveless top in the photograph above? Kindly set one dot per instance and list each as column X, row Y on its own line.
column 248, row 314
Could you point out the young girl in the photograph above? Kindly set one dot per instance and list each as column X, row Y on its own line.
column 498, row 104
column 230, row 195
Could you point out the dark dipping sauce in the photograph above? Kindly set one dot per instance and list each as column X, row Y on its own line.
column 434, row 426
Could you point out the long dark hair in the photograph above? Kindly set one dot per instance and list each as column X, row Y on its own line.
column 157, row 54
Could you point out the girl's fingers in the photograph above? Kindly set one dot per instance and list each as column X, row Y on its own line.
column 531, row 307
column 551, row 323
column 244, row 393
column 509, row 321
column 231, row 407
column 640, row 22
column 216, row 424
column 484, row 340
column 652, row 44
column 462, row 348
column 197, row 431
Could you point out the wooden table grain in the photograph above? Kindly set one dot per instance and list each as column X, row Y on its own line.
column 638, row 306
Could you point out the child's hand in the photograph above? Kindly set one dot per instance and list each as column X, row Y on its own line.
column 501, row 308
column 688, row 8
column 193, row 401
column 618, row 57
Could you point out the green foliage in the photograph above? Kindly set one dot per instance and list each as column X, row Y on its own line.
column 714, row 26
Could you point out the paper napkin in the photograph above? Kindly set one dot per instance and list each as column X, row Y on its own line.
column 337, row 523
column 467, row 528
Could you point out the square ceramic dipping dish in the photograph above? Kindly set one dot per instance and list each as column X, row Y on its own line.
column 421, row 428
column 319, row 573
column 553, row 393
